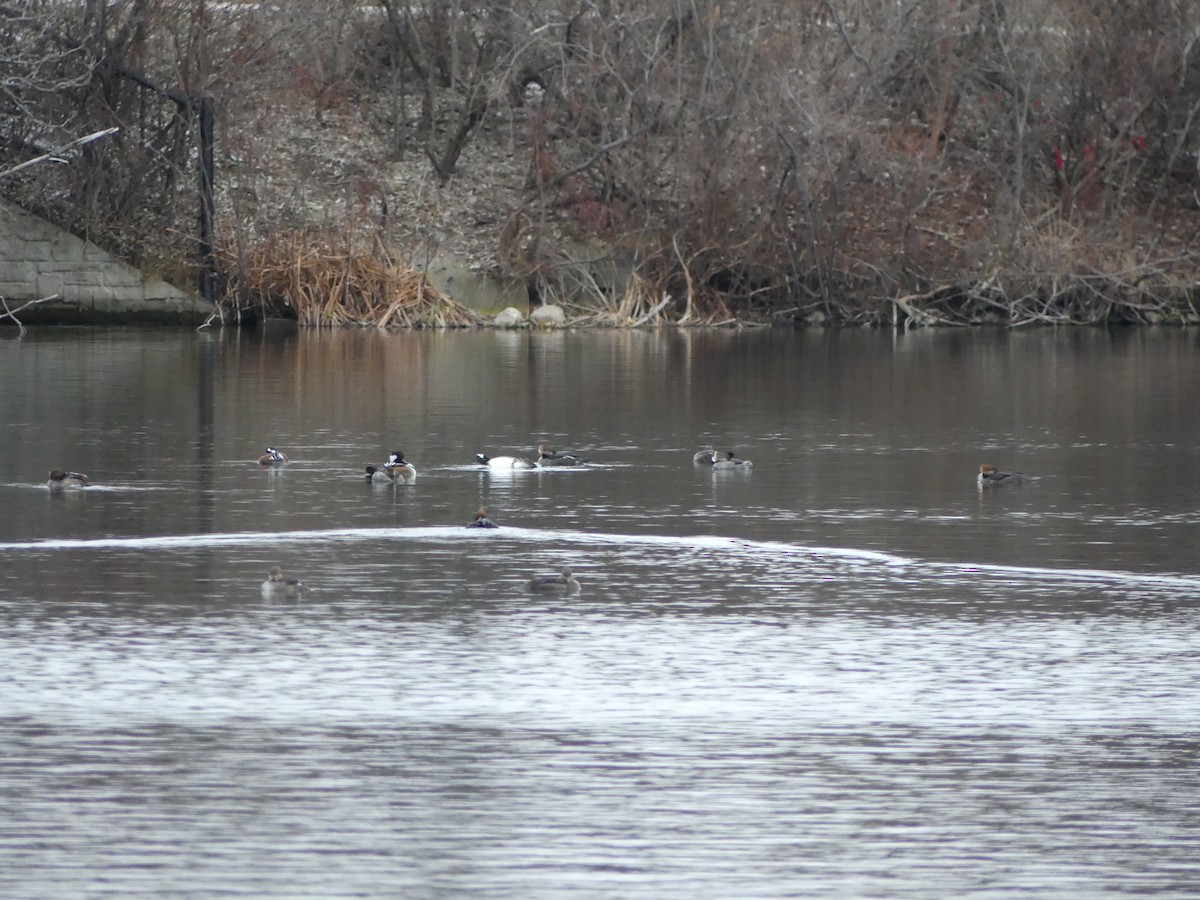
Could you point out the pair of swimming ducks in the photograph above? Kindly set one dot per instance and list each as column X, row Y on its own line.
column 547, row 457
column 397, row 468
column 720, row 459
column 562, row 583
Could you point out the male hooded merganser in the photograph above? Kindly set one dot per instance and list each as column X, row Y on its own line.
column 60, row 479
column 565, row 583
column 278, row 584
column 398, row 467
column 548, row 456
column 990, row 476
column 503, row 462
column 272, row 457
column 481, row 520
column 727, row 460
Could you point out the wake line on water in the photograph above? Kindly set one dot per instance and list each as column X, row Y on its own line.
column 440, row 534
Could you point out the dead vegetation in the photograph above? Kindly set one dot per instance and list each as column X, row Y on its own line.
column 327, row 280
column 904, row 162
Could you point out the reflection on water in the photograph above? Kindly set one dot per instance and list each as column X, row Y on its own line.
column 846, row 673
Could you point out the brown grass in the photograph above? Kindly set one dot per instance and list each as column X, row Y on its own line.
column 328, row 280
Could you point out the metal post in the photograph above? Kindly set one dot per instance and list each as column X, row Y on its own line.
column 208, row 264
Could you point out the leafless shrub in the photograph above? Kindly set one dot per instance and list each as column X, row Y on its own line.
column 323, row 279
column 742, row 158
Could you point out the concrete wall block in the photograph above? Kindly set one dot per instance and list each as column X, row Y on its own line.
column 89, row 277
column 18, row 272
column 93, row 254
column 161, row 291
column 50, row 283
column 120, row 279
column 81, row 295
column 66, row 248
column 38, row 251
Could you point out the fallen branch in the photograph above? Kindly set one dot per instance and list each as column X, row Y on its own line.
column 12, row 313
column 654, row 312
column 54, row 154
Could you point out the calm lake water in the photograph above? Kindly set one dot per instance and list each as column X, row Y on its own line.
column 848, row 672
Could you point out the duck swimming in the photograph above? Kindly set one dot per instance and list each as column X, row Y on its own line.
column 503, row 462
column 273, row 457
column 723, row 460
column 379, row 475
column 564, row 583
column 398, row 467
column 58, row 480
column 481, row 520
column 990, row 476
column 277, row 584
column 708, row 455
column 548, row 456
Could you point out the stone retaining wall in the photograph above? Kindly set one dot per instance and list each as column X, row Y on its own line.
column 39, row 260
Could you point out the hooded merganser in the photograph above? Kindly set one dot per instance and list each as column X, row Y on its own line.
column 272, row 457
column 379, row 475
column 565, row 583
column 59, row 479
column 503, row 462
column 990, row 476
column 481, row 520
column 548, row 456
column 727, row 460
column 277, row 583
column 398, row 467
column 708, row 455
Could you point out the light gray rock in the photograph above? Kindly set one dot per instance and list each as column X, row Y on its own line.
column 509, row 317
column 548, row 316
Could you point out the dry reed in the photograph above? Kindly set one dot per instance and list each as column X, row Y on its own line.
column 326, row 280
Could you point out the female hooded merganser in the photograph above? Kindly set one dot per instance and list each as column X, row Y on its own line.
column 272, row 457
column 708, row 456
column 481, row 520
column 60, row 479
column 400, row 468
column 727, row 460
column 278, row 584
column 503, row 462
column 990, row 476
column 548, row 456
column 566, row 583
column 379, row 475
